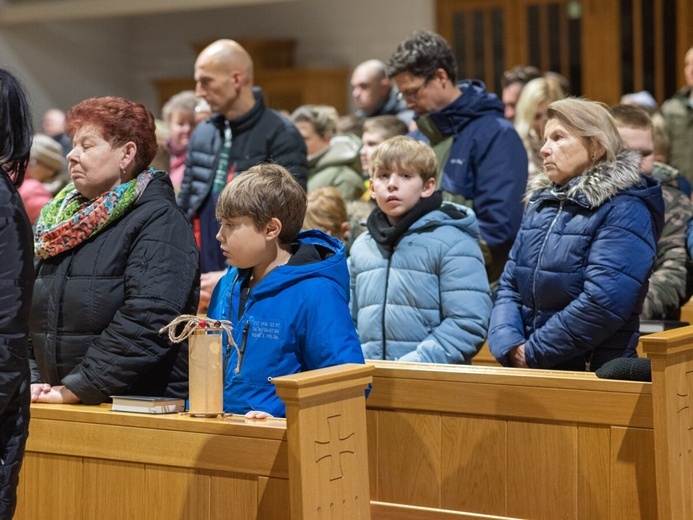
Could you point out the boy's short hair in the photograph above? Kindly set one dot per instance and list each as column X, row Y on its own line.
column 264, row 192
column 386, row 126
column 403, row 152
column 631, row 116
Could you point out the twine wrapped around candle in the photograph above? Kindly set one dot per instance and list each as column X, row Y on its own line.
column 205, row 360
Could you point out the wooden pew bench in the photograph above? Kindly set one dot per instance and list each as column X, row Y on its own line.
column 455, row 442
column 86, row 462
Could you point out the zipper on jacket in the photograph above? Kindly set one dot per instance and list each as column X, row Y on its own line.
column 541, row 253
column 382, row 318
column 241, row 350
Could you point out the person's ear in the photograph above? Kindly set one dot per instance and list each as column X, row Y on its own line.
column 346, row 230
column 273, row 229
column 441, row 75
column 429, row 187
column 129, row 154
column 597, row 153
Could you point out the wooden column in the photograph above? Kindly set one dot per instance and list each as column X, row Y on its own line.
column 672, row 393
column 326, row 437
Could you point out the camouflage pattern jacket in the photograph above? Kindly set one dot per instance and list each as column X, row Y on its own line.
column 667, row 287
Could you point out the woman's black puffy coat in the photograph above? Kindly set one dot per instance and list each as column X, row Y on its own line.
column 98, row 308
column 16, row 280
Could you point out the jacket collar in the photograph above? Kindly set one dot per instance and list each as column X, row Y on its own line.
column 474, row 102
column 593, row 188
column 246, row 121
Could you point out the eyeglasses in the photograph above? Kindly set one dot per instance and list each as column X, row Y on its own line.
column 411, row 94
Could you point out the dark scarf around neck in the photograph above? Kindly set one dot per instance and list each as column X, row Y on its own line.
column 388, row 235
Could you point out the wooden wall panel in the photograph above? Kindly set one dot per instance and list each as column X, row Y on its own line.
column 684, row 28
column 181, row 493
column 542, row 462
column 271, row 492
column 474, row 466
column 372, row 424
column 36, row 481
column 601, row 63
column 409, row 474
column 233, row 495
column 634, row 489
column 594, row 471
column 114, row 490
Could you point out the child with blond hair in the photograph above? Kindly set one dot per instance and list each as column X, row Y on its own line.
column 418, row 283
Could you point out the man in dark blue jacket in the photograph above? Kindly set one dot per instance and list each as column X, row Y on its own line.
column 241, row 134
column 483, row 162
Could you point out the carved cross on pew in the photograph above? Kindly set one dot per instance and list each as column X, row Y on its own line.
column 686, row 404
column 334, row 447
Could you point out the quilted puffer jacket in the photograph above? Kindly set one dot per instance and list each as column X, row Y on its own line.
column 424, row 296
column 97, row 308
column 573, row 287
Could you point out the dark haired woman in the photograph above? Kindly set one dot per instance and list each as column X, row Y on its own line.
column 117, row 261
column 16, row 281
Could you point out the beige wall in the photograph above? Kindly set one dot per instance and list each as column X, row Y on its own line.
column 65, row 62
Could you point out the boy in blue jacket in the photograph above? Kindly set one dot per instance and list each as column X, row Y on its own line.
column 418, row 284
column 286, row 292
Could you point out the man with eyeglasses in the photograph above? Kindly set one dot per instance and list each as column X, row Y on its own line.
column 483, row 163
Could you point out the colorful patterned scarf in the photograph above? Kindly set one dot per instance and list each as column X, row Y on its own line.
column 70, row 218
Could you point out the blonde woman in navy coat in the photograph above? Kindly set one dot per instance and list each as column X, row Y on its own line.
column 572, row 290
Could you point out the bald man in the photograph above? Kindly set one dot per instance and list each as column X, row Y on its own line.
column 241, row 133
column 374, row 94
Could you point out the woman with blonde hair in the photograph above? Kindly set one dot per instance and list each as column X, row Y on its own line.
column 572, row 290
column 530, row 114
column 327, row 212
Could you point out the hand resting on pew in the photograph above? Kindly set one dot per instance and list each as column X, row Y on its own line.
column 45, row 393
column 257, row 415
column 517, row 357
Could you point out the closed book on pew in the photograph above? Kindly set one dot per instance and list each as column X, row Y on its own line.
column 650, row 326
column 144, row 404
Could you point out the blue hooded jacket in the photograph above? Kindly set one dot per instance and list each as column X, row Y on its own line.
column 486, row 164
column 295, row 319
column 573, row 287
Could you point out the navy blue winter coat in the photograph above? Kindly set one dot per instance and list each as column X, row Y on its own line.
column 485, row 163
column 573, row 287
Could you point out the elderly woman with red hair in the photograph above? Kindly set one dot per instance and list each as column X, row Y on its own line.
column 116, row 262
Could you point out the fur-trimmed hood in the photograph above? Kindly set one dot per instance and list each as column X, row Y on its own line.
column 597, row 185
column 603, row 182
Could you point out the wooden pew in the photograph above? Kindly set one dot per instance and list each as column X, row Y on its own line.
column 687, row 311
column 456, row 442
column 86, row 462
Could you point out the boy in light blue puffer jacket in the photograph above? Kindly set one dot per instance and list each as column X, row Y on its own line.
column 419, row 290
